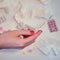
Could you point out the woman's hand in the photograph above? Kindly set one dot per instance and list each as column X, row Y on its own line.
column 12, row 39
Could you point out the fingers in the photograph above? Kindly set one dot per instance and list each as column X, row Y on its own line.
column 22, row 32
column 32, row 37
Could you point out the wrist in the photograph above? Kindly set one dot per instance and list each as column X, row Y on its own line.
column 1, row 42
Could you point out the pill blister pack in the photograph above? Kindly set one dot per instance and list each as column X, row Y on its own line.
column 52, row 26
column 7, row 11
column 12, row 8
column 2, row 15
column 48, row 46
column 33, row 24
column 26, row 12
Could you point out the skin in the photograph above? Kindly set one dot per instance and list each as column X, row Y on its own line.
column 12, row 39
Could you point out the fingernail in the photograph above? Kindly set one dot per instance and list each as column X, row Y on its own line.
column 32, row 32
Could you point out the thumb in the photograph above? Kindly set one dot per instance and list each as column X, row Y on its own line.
column 22, row 32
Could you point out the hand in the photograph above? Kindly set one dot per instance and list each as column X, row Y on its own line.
column 12, row 39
